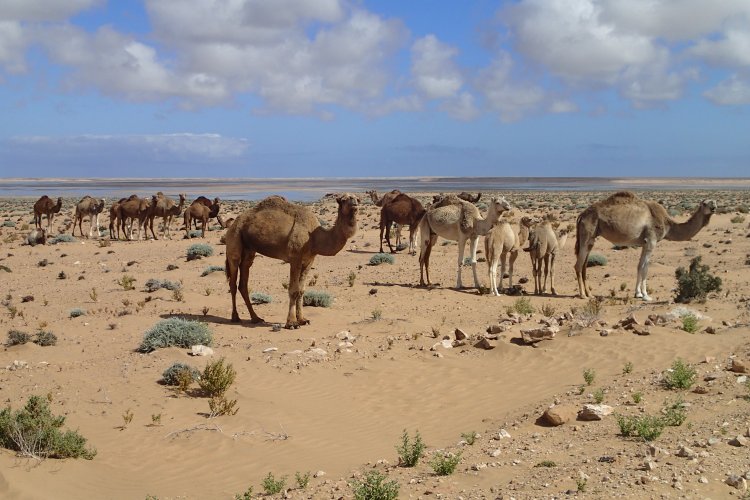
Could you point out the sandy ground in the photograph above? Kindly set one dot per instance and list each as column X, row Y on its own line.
column 342, row 412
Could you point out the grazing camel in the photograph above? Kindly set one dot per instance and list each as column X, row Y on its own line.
column 88, row 207
column 289, row 232
column 137, row 210
column 543, row 248
column 625, row 219
column 503, row 241
column 45, row 206
column 457, row 220
column 199, row 210
column 402, row 209
column 166, row 209
column 468, row 197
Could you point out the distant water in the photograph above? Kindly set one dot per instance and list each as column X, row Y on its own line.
column 315, row 188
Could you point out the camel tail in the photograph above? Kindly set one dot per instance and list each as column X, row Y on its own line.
column 578, row 232
column 226, row 268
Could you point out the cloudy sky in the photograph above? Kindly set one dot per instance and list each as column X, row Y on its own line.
column 322, row 88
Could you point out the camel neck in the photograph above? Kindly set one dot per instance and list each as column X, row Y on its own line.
column 686, row 230
column 330, row 241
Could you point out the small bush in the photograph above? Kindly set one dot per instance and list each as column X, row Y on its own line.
column 628, row 368
column 470, row 437
column 548, row 310
column 591, row 311
column 674, row 414
column 172, row 375
column 589, row 375
column 680, row 376
column 375, row 487
column 302, row 479
column 175, row 332
column 212, row 269
column 546, row 463
column 637, row 397
column 271, row 485
column 260, row 298
column 737, row 219
column 316, row 299
column 649, row 427
column 246, row 495
column 596, row 259
column 599, row 396
column 198, row 250
column 154, row 284
column 382, row 258
column 126, row 282
column 44, row 338
column 74, row 313
column 523, row 305
column 34, row 432
column 61, row 238
column 444, row 463
column 690, row 323
column 696, row 282
column 195, row 233
column 409, row 452
column 9, row 223
column 17, row 337
column 216, row 378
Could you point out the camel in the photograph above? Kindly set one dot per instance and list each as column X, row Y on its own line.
column 165, row 208
column 379, row 202
column 468, row 197
column 199, row 210
column 501, row 242
column 289, row 232
column 137, row 210
column 37, row 237
column 543, row 248
column 114, row 217
column 402, row 209
column 457, row 220
column 45, row 206
column 88, row 207
column 625, row 219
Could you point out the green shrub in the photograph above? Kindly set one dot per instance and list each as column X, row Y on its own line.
column 375, row 487
column 260, row 298
column 9, row 223
column 44, row 338
column 626, row 424
column 599, row 396
column 596, row 259
column 696, row 282
column 198, row 250
column 154, row 284
column 649, row 427
column 690, row 323
column 246, row 495
column 212, row 269
column 444, row 463
column 74, row 313
column 674, row 414
column 409, row 452
column 175, row 332
column 17, row 337
column 34, row 432
column 126, row 282
column 382, row 258
column 61, row 238
column 316, row 299
column 680, row 376
column 271, row 485
column 171, row 376
column 470, row 437
column 522, row 305
column 589, row 374
column 217, row 377
column 637, row 397
column 546, row 463
column 628, row 368
column 302, row 479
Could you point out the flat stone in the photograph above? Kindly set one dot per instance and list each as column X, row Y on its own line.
column 317, row 351
column 495, row 453
column 738, row 366
column 538, row 334
column 739, row 441
column 700, row 389
column 497, row 328
column 270, row 349
column 594, row 412
column 483, row 343
column 559, row 414
column 686, row 452
column 737, row 482
column 201, row 350
column 641, row 330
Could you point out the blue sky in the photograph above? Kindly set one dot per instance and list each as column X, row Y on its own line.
column 317, row 88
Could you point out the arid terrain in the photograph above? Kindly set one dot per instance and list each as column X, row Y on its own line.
column 333, row 398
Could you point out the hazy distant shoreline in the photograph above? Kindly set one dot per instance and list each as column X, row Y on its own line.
column 310, row 189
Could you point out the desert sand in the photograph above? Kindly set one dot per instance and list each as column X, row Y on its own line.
column 333, row 397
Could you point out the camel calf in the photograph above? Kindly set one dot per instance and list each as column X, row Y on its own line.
column 543, row 247
column 500, row 242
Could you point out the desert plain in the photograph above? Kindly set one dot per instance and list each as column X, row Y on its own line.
column 334, row 397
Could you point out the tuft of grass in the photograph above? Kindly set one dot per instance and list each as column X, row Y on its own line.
column 61, row 238
column 445, row 463
column 76, row 312
column 680, row 376
column 470, row 437
column 198, row 250
column 175, row 332
column 245, row 495
column 375, row 487
column 522, row 305
column 352, row 278
column 690, row 323
column 271, row 485
column 637, row 397
column 546, row 463
column 376, row 314
column 410, row 451
column 17, row 337
column 737, row 219
column 382, row 258
column 696, row 282
column 35, row 432
column 596, row 259
column 548, row 310
column 212, row 269
column 126, row 282
column 599, row 396
column 315, row 298
column 215, row 380
column 674, row 413
column 44, row 338
column 260, row 298
column 302, row 479
column 628, row 368
column 173, row 374
column 589, row 375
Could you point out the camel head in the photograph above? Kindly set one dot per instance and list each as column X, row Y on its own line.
column 348, row 206
column 100, row 207
column 708, row 207
column 500, row 204
column 528, row 221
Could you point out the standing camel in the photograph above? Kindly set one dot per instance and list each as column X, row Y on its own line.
column 45, row 206
column 166, row 209
column 625, row 219
column 468, row 197
column 379, row 202
column 137, row 210
column 88, row 207
column 457, row 220
column 503, row 241
column 200, row 211
column 543, row 248
column 402, row 209
column 289, row 232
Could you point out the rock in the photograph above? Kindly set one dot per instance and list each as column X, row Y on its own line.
column 447, row 343
column 495, row 453
column 708, row 377
column 345, row 335
column 317, row 351
column 648, row 465
column 738, row 366
column 560, row 414
column 594, row 412
column 17, row 365
column 628, row 322
column 201, row 350
column 605, row 332
column 460, row 335
column 656, row 452
column 459, row 343
column 703, row 480
column 641, row 330
column 710, row 329
column 496, row 328
column 483, row 343
column 737, row 482
column 699, row 389
column 686, row 452
column 503, row 434
column 270, row 349
column 320, row 473
column 739, row 441
column 709, row 359
column 537, row 334
column 741, row 379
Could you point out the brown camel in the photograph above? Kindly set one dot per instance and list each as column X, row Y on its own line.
column 387, row 197
column 543, row 249
column 198, row 210
column 88, row 207
column 166, row 209
column 45, row 206
column 404, row 210
column 289, row 232
column 625, row 219
column 499, row 243
column 468, row 197
column 137, row 210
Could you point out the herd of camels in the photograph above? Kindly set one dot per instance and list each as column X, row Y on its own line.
column 291, row 232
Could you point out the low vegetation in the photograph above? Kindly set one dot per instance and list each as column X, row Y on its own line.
column 175, row 332
column 445, row 463
column 212, row 269
column 596, row 259
column 375, row 486
column 696, row 282
column 680, row 376
column 154, row 284
column 382, row 258
column 315, row 298
column 410, row 450
column 199, row 250
column 175, row 373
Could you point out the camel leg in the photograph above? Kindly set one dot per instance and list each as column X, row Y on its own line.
column 388, row 236
column 552, row 273
column 492, row 266
column 426, row 242
column 382, row 229
column 640, row 284
column 584, row 248
column 302, row 284
column 473, row 242
column 461, row 247
column 295, row 271
column 546, row 272
column 245, row 262
column 412, row 235
column 203, row 227
column 511, row 265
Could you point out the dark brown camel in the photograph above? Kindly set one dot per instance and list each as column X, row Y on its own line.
column 198, row 210
column 404, row 210
column 45, row 205
column 468, row 197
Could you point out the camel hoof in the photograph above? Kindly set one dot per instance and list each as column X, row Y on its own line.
column 235, row 319
column 257, row 319
column 303, row 322
column 291, row 326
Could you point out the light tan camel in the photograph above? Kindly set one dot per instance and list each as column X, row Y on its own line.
column 457, row 220
column 543, row 248
column 199, row 210
column 502, row 242
column 289, row 232
column 165, row 208
column 45, row 206
column 88, row 206
column 379, row 202
column 136, row 210
column 625, row 219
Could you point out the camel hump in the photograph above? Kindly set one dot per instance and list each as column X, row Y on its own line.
column 620, row 197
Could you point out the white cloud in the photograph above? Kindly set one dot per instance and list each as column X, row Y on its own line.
column 43, row 10
column 462, row 107
column 563, row 106
column 435, row 74
column 512, row 100
column 733, row 91
column 732, row 49
column 12, row 46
